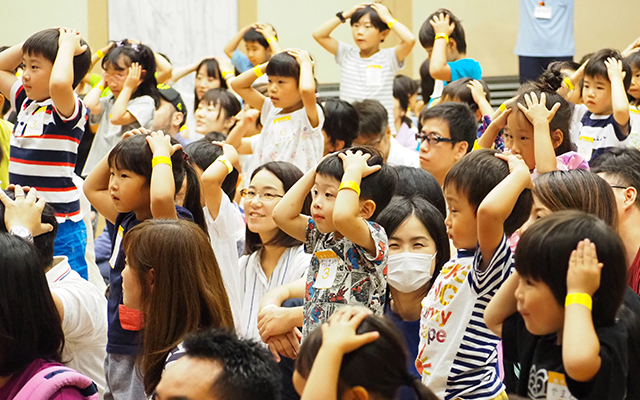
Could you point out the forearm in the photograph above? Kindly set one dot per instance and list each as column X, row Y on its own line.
column 322, row 383
column 324, row 30
column 242, row 86
column 11, row 58
column 212, row 179
column 92, row 99
column 236, row 135
column 489, row 136
column 407, row 40
column 484, row 106
column 277, row 296
column 162, row 189
column 438, row 67
column 62, row 70
column 179, row 73
column 289, row 207
column 543, row 148
column 232, row 45
column 503, row 305
column 347, row 205
column 580, row 344
column 274, row 45
column 308, row 93
column 119, row 110
column 620, row 103
column 164, row 68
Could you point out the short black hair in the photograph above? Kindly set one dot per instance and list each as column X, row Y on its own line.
column 378, row 186
column 414, row 181
column 623, row 163
column 373, row 16
column 341, row 121
column 463, row 124
column 373, row 118
column 634, row 59
column 476, row 174
column 44, row 242
column 403, row 88
column 225, row 99
column 45, row 44
column 252, row 35
column 597, row 68
column 248, row 369
column 285, row 65
column 203, row 153
column 458, row 89
column 427, row 35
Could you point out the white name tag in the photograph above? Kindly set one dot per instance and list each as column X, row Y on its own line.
column 116, row 248
column 543, row 12
column 374, row 75
column 557, row 387
column 328, row 267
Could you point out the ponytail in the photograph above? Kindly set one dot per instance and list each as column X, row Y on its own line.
column 192, row 201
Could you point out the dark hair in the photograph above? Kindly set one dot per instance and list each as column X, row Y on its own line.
column 463, row 124
column 545, row 247
column 414, row 181
column 403, row 88
column 134, row 154
column 560, row 65
column 30, row 326
column 288, row 174
column 45, row 44
column 340, row 121
column 44, row 242
column 400, row 208
column 380, row 367
column 378, row 186
column 427, row 83
column 427, row 35
column 458, row 89
column 633, row 60
column 373, row 118
column 252, row 35
column 577, row 189
column 143, row 55
column 476, row 174
column 284, row 65
column 373, row 17
column 203, row 153
column 224, row 98
column 248, row 369
column 623, row 163
column 213, row 71
column 597, row 68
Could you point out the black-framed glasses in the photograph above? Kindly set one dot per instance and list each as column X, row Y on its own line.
column 433, row 139
column 250, row 194
column 619, row 187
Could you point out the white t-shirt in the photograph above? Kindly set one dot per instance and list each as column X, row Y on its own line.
column 85, row 321
column 634, row 135
column 400, row 155
column 292, row 265
column 222, row 232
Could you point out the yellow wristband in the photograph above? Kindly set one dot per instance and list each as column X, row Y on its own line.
column 226, row 162
column 390, row 23
column 161, row 160
column 101, row 88
column 503, row 107
column 568, row 84
column 579, row 298
column 350, row 185
column 226, row 74
column 442, row 36
column 258, row 71
column 272, row 39
column 100, row 53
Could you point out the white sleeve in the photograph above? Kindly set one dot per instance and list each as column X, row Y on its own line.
column 341, row 54
column 224, row 226
column 85, row 312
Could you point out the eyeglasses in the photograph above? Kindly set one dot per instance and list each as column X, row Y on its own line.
column 619, row 187
column 433, row 139
column 249, row 194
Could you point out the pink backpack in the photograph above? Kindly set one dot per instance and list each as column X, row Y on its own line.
column 45, row 383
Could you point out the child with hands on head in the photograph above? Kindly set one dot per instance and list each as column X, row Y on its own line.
column 632, row 57
column 261, row 42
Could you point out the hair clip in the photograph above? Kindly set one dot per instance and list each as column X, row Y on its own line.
column 120, row 43
column 135, row 47
column 185, row 156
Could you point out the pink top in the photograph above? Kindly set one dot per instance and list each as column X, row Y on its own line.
column 17, row 381
column 567, row 161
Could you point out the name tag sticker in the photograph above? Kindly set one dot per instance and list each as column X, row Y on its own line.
column 543, row 12
column 328, row 267
column 374, row 75
column 557, row 387
column 116, row 248
column 283, row 129
column 585, row 146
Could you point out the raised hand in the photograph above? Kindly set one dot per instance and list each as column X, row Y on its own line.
column 442, row 24
column 160, row 144
column 71, row 37
column 25, row 210
column 133, row 79
column 340, row 332
column 358, row 162
column 584, row 271
column 536, row 110
column 614, row 69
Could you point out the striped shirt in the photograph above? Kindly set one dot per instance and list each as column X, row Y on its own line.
column 44, row 147
column 368, row 78
column 595, row 134
column 457, row 356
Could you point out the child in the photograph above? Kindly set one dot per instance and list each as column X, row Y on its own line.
column 474, row 93
column 557, row 315
column 261, row 42
column 129, row 71
column 603, row 121
column 355, row 355
column 488, row 200
column 291, row 118
column 56, row 60
column 634, row 96
column 366, row 71
column 447, row 132
column 340, row 127
column 134, row 182
column 405, row 109
column 216, row 112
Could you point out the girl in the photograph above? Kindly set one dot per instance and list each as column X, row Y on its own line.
column 418, row 248
column 129, row 71
column 355, row 355
column 405, row 94
column 634, row 99
column 31, row 337
column 471, row 92
column 174, row 301
column 216, row 112
column 291, row 118
column 569, row 283
column 135, row 182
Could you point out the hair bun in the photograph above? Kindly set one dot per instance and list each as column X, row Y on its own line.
column 550, row 80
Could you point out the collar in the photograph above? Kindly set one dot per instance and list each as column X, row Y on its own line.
column 465, row 253
column 61, row 270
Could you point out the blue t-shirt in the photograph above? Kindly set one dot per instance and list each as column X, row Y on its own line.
column 240, row 61
column 120, row 340
column 411, row 332
column 465, row 68
column 539, row 37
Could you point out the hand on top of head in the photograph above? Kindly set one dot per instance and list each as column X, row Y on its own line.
column 231, row 154
column 137, row 131
column 340, row 332
column 477, row 90
column 383, row 12
column 71, row 38
column 358, row 162
column 352, row 10
column 536, row 111
column 517, row 166
column 25, row 210
column 614, row 69
column 441, row 24
column 584, row 271
column 265, row 29
column 301, row 56
column 160, row 144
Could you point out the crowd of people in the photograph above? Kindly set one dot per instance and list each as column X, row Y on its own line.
column 405, row 241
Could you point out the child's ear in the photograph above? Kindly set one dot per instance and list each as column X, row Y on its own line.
column 143, row 74
column 453, row 45
column 384, row 34
column 630, row 196
column 356, row 393
column 556, row 138
column 367, row 208
column 387, row 133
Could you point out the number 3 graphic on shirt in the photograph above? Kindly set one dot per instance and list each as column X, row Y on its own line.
column 326, row 272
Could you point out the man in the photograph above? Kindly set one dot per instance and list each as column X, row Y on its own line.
column 171, row 115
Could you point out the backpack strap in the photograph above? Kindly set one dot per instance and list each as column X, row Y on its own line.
column 48, row 381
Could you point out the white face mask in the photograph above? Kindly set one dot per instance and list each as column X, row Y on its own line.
column 409, row 272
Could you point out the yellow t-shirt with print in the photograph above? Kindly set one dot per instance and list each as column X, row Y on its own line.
column 5, row 135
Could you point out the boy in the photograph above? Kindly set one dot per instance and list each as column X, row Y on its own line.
column 457, row 355
column 51, row 122
column 374, row 131
column 261, row 42
column 446, row 133
column 602, row 121
column 340, row 126
column 442, row 36
column 366, row 71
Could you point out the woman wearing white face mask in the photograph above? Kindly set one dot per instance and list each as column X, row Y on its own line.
column 418, row 248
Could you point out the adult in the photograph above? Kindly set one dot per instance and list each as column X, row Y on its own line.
column 170, row 117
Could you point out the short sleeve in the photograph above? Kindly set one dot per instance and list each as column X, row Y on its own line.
column 379, row 236
column 465, row 68
column 341, row 54
column 94, row 119
column 312, row 235
column 82, row 312
column 142, row 109
column 267, row 110
column 18, row 95
column 513, row 329
column 224, row 226
column 498, row 270
column 396, row 64
column 240, row 61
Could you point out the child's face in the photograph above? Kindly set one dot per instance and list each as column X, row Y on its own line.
column 518, row 137
column 205, row 82
column 258, row 210
column 323, row 195
column 461, row 221
column 284, row 93
column 437, row 157
column 541, row 312
column 115, row 75
column 256, row 53
column 36, row 76
column 596, row 95
column 366, row 35
column 129, row 191
column 634, row 89
column 211, row 118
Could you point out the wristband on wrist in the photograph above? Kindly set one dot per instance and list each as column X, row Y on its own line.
column 441, row 36
column 157, row 160
column 100, row 53
column 272, row 39
column 228, row 73
column 503, row 107
column 226, row 162
column 341, row 17
column 579, row 298
column 568, row 84
column 390, row 23
column 257, row 71
column 350, row 185
column 100, row 87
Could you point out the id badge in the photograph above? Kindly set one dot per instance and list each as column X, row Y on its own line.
column 116, row 248
column 585, row 146
column 36, row 123
column 374, row 75
column 283, row 129
column 543, row 12
column 328, row 267
column 557, row 387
